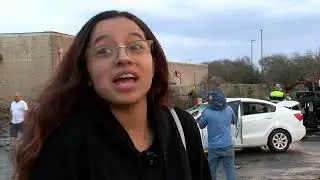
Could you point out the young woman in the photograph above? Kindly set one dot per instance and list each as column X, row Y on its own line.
column 104, row 116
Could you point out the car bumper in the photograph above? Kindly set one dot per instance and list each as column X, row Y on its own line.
column 297, row 135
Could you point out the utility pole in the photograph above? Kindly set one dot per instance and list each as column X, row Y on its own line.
column 251, row 62
column 194, row 76
column 180, row 76
column 261, row 51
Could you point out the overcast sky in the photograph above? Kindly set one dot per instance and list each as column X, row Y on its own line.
column 188, row 30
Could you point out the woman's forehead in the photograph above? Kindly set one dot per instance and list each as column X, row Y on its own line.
column 116, row 28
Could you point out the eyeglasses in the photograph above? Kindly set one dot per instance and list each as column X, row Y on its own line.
column 133, row 49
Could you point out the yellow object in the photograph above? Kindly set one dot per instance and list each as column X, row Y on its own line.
column 276, row 96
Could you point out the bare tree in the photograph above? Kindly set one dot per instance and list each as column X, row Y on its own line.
column 234, row 71
column 291, row 71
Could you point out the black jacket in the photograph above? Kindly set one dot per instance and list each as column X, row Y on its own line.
column 92, row 145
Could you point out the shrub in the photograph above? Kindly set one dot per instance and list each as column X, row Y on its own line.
column 4, row 116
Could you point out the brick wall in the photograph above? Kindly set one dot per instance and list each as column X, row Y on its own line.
column 192, row 74
column 60, row 44
column 26, row 64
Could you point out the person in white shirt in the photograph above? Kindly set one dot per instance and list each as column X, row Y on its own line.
column 18, row 111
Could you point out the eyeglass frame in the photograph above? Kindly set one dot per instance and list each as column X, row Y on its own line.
column 117, row 48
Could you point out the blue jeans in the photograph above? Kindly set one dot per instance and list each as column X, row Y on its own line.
column 226, row 156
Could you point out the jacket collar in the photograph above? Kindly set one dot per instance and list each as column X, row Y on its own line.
column 110, row 128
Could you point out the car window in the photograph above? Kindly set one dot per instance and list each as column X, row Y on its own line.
column 235, row 106
column 250, row 108
column 295, row 107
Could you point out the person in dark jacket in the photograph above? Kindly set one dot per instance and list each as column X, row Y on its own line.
column 105, row 115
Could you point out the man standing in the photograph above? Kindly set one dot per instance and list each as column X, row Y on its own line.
column 218, row 118
column 18, row 110
column 277, row 94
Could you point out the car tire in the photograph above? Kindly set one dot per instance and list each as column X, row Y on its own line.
column 279, row 141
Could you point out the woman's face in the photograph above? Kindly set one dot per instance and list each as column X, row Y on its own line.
column 119, row 61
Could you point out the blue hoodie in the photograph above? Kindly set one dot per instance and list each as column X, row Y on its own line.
column 218, row 118
column 219, row 100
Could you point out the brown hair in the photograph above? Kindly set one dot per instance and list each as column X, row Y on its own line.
column 70, row 84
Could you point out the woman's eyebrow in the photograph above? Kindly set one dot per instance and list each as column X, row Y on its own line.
column 100, row 38
column 136, row 34
column 103, row 37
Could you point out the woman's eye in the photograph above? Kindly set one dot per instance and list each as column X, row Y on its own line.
column 104, row 51
column 137, row 47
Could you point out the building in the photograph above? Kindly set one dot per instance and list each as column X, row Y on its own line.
column 185, row 74
column 27, row 61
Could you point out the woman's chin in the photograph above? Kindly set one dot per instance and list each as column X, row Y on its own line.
column 126, row 100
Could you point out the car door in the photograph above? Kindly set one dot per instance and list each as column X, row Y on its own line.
column 236, row 128
column 257, row 120
column 204, row 131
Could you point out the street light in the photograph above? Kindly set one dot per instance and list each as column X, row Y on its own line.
column 261, row 44
column 261, row 51
column 251, row 63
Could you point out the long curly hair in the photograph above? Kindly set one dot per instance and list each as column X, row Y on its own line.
column 68, row 87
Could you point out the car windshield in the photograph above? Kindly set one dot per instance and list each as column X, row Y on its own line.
column 194, row 107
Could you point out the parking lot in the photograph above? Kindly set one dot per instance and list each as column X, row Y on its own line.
column 5, row 165
column 300, row 162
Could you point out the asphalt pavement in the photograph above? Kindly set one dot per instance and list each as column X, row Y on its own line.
column 300, row 162
column 5, row 165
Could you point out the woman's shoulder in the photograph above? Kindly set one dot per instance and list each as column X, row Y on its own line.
column 184, row 115
column 68, row 134
column 187, row 120
column 62, row 151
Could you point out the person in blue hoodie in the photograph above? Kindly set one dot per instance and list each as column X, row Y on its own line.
column 218, row 118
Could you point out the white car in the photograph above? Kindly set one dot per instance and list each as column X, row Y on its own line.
column 261, row 123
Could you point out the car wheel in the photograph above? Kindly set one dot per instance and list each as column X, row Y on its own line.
column 279, row 141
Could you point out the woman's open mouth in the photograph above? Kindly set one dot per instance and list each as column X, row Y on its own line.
column 125, row 82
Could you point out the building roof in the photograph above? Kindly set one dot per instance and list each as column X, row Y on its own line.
column 36, row 34
column 183, row 63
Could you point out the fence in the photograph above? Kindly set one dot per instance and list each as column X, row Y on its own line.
column 231, row 90
column 182, row 100
column 258, row 91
